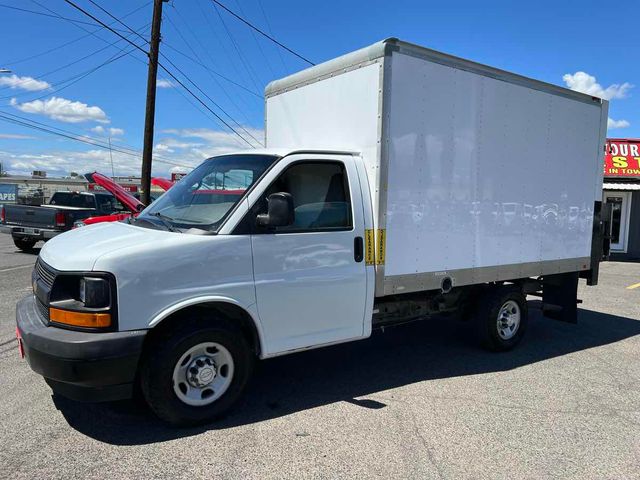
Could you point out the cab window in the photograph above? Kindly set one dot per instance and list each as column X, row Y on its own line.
column 320, row 196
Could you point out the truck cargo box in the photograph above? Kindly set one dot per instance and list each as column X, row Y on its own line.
column 478, row 175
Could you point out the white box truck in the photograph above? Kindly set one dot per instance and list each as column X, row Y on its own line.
column 398, row 183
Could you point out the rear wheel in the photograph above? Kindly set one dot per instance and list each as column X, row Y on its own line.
column 195, row 372
column 502, row 319
column 24, row 244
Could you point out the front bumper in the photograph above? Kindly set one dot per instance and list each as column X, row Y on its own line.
column 28, row 232
column 83, row 366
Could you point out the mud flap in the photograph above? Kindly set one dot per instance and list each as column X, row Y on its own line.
column 560, row 296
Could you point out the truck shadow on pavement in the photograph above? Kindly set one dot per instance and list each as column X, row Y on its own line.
column 417, row 352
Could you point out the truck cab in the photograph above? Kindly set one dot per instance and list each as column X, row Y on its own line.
column 270, row 244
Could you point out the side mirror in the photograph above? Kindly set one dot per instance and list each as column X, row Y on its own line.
column 279, row 211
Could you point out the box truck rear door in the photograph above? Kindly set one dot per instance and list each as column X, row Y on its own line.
column 310, row 276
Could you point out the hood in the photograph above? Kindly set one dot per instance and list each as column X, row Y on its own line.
column 128, row 200
column 163, row 183
column 80, row 249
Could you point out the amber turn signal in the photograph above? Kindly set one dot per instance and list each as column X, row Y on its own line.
column 80, row 319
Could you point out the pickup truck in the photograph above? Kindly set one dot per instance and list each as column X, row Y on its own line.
column 421, row 185
column 29, row 224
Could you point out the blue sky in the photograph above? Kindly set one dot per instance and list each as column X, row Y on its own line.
column 549, row 41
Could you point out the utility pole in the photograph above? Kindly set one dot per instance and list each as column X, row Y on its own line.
column 113, row 173
column 147, row 149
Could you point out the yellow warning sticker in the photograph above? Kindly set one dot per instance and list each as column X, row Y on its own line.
column 381, row 245
column 369, row 247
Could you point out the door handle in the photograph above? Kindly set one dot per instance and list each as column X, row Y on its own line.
column 358, row 249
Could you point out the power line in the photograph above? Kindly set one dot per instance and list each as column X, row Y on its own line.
column 255, row 39
column 22, row 121
column 106, row 26
column 75, row 78
column 69, row 132
column 197, row 62
column 51, row 127
column 245, row 64
column 175, row 66
column 266, row 19
column 205, row 105
column 246, row 22
column 90, row 32
column 165, row 69
column 71, row 42
column 210, row 99
column 119, row 21
column 46, row 14
column 224, row 90
column 208, row 15
column 66, row 65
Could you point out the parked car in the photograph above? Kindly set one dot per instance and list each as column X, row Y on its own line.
column 29, row 224
column 382, row 206
column 130, row 201
column 132, row 205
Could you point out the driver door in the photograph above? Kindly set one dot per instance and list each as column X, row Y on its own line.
column 310, row 277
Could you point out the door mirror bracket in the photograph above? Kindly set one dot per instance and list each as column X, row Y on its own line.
column 280, row 211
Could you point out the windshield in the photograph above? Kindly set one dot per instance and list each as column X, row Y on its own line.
column 205, row 197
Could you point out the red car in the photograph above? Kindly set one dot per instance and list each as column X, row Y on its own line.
column 134, row 205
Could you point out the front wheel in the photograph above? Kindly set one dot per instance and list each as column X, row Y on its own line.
column 24, row 244
column 195, row 372
column 502, row 319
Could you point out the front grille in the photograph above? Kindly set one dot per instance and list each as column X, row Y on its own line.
column 45, row 273
column 42, row 309
column 46, row 276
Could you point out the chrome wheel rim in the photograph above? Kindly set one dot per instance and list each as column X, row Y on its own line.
column 202, row 374
column 508, row 320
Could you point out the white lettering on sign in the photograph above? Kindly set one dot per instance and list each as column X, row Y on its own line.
column 7, row 197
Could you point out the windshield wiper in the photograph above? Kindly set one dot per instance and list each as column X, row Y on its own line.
column 166, row 221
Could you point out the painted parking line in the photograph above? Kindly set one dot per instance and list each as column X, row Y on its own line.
column 15, row 268
column 635, row 285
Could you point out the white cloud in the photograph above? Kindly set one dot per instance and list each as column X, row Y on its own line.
column 585, row 83
column 114, row 132
column 164, row 83
column 173, row 143
column 16, row 136
column 24, row 83
column 612, row 124
column 178, row 170
column 62, row 109
column 162, row 148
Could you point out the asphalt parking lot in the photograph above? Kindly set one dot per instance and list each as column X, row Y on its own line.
column 417, row 401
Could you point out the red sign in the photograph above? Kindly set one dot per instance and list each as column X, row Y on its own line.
column 622, row 158
column 177, row 176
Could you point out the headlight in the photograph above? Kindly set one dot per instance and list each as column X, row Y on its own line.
column 94, row 292
column 86, row 301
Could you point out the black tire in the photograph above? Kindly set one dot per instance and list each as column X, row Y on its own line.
column 162, row 355
column 490, row 305
column 23, row 244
